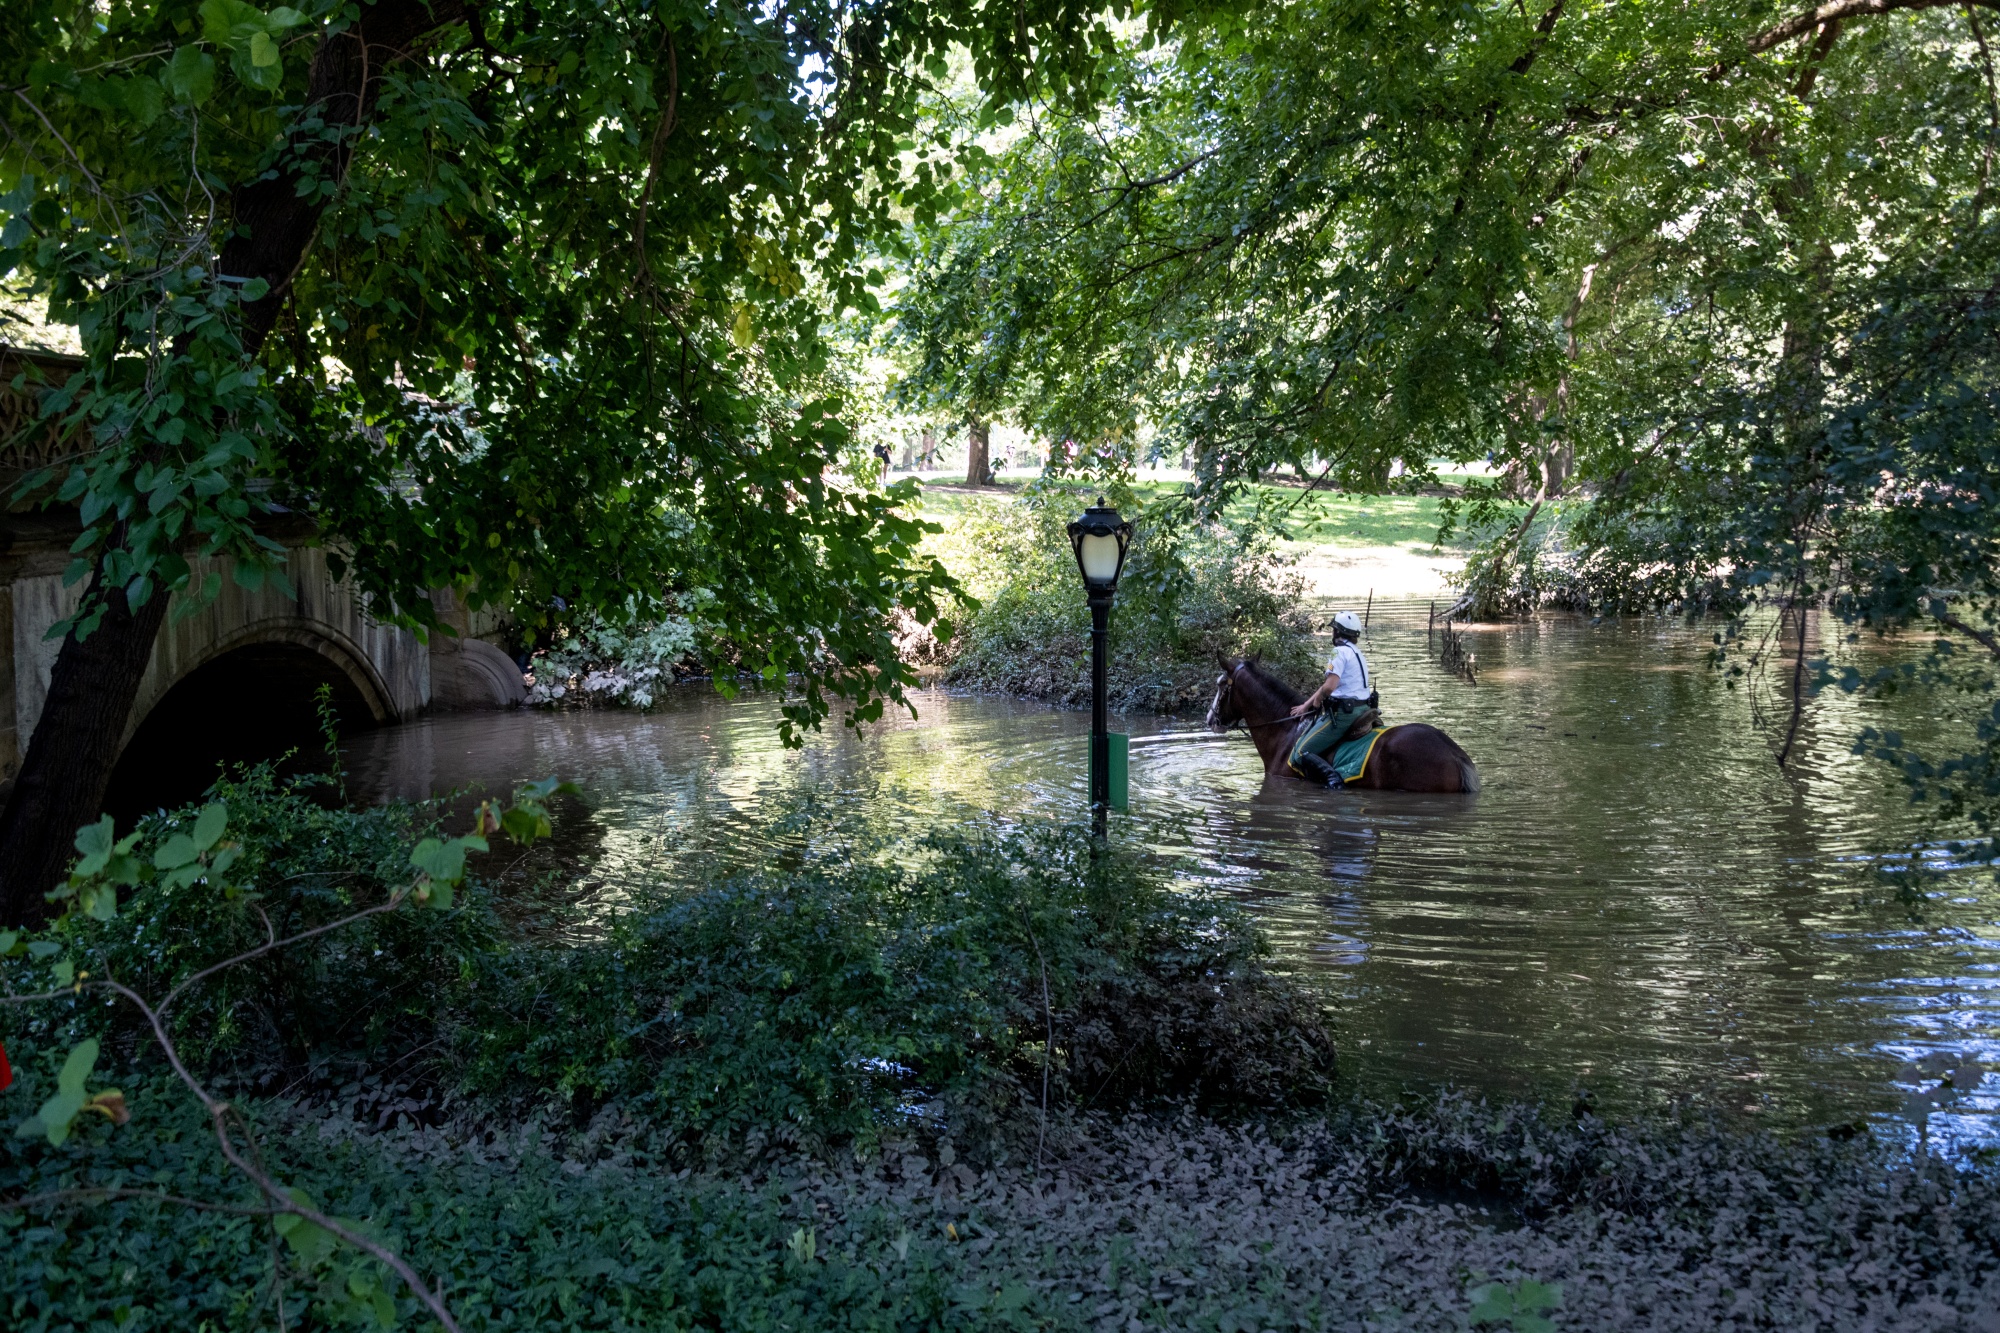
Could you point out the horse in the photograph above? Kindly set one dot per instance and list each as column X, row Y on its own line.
column 1413, row 756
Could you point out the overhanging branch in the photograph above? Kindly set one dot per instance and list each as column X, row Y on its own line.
column 1800, row 24
column 1987, row 638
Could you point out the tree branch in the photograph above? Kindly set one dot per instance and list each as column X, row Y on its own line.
column 1169, row 177
column 1798, row 680
column 277, row 215
column 1828, row 35
column 272, row 942
column 1845, row 9
column 280, row 1200
column 1993, row 114
column 669, row 117
column 1313, row 486
column 1986, row 638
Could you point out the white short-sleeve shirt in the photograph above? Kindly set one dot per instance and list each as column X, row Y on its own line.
column 1348, row 664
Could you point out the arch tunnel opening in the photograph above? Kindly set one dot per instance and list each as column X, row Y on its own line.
column 251, row 705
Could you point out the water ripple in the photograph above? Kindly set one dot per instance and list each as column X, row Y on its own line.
column 1638, row 899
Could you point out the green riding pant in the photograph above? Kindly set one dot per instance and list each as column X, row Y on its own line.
column 1335, row 718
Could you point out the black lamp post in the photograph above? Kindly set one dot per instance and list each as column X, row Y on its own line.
column 1099, row 539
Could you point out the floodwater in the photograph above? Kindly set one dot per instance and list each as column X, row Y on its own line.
column 1638, row 903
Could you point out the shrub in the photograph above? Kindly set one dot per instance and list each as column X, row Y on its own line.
column 826, row 1000
column 1575, row 557
column 377, row 985
column 40, row 969
column 813, row 1000
column 596, row 661
column 1191, row 592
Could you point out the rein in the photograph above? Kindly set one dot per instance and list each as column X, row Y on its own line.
column 1284, row 721
column 1274, row 722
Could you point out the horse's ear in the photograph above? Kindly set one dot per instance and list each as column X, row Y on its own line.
column 1222, row 660
column 1255, row 660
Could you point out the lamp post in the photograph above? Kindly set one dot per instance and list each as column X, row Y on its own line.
column 1099, row 539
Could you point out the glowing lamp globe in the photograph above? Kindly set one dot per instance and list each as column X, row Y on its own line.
column 1100, row 539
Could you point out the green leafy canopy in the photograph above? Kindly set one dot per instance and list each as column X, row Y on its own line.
column 1719, row 278
column 552, row 335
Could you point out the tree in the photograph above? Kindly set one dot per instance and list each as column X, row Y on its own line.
column 978, row 452
column 1345, row 232
column 1729, row 269
column 522, row 299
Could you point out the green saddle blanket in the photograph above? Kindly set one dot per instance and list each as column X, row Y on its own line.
column 1350, row 758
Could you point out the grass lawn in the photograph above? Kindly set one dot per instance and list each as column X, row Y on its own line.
column 1309, row 520
column 1345, row 519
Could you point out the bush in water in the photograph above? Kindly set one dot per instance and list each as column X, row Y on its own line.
column 829, row 997
column 814, row 1000
column 595, row 661
column 1190, row 592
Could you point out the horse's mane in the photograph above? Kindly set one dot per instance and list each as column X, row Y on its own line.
column 1284, row 693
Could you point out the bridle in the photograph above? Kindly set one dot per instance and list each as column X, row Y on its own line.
column 1229, row 688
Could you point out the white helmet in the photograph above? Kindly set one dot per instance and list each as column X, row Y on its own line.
column 1346, row 622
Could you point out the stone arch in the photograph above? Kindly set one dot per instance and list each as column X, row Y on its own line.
column 318, row 637
column 245, row 697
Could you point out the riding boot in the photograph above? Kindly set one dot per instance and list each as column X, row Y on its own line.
column 1315, row 769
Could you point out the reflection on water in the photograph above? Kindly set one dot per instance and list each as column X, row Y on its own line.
column 1638, row 901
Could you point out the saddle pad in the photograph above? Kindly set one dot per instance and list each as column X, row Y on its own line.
column 1350, row 758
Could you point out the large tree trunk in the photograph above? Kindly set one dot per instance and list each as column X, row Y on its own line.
column 274, row 224
column 75, row 744
column 96, row 679
column 978, row 453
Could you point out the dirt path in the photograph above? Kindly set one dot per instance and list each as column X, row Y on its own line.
column 1339, row 572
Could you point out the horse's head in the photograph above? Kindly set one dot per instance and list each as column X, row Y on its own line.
column 1223, row 711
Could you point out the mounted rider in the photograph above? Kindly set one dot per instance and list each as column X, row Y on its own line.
column 1342, row 701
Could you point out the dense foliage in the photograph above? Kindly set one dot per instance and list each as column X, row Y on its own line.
column 44, row 973
column 827, row 1001
column 1582, row 240
column 1725, row 272
column 520, row 300
column 901, row 1001
column 802, row 1002
column 379, row 985
column 1397, row 1217
column 458, row 382
column 966, row 978
column 1192, row 591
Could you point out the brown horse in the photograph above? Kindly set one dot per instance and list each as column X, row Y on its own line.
column 1410, row 757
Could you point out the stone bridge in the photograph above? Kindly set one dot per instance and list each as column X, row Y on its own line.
column 240, row 678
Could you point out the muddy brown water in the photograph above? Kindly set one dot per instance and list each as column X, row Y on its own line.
column 1638, row 902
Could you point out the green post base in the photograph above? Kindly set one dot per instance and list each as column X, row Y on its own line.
column 1121, row 771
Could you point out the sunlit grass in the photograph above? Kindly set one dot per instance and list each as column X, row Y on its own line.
column 1306, row 519
column 1344, row 519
